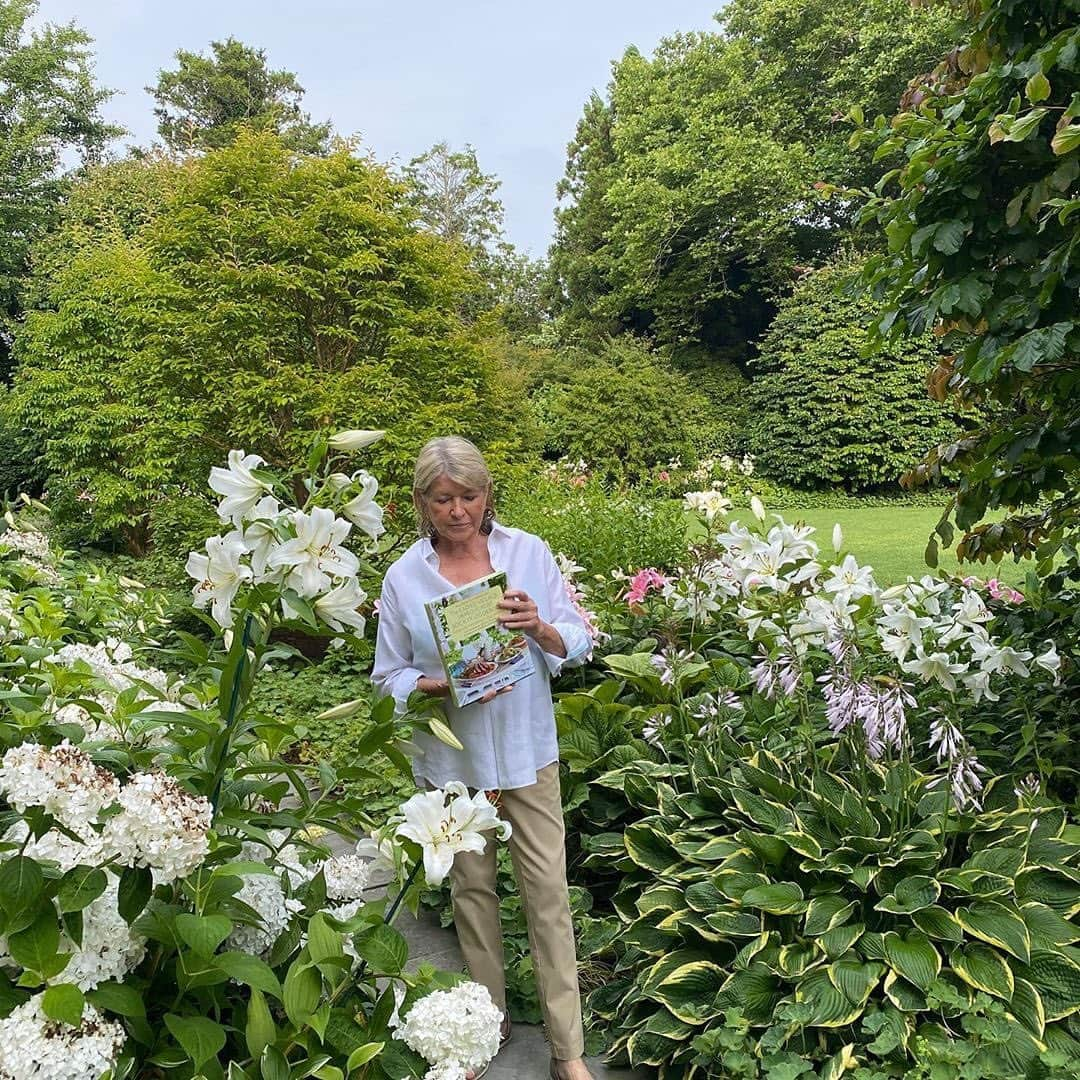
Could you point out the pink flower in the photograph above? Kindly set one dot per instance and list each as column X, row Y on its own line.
column 577, row 481
column 1000, row 591
column 644, row 581
column 665, row 476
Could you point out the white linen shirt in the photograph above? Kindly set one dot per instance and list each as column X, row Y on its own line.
column 508, row 740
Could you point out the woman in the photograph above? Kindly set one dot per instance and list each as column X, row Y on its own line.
column 509, row 738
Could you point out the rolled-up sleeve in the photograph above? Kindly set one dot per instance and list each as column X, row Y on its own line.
column 562, row 614
column 393, row 673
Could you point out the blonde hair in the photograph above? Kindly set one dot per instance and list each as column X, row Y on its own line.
column 458, row 460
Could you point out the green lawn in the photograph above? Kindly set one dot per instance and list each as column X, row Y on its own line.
column 892, row 541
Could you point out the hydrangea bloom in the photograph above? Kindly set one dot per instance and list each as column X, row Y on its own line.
column 160, row 825
column 346, row 876
column 109, row 949
column 33, row 1047
column 111, row 662
column 265, row 894
column 61, row 779
column 456, row 1028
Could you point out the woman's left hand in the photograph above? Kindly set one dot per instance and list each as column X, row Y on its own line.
column 521, row 613
column 523, row 616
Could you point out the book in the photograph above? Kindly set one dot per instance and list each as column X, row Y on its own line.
column 478, row 654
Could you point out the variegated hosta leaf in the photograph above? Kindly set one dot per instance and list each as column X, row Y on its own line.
column 650, row 848
column 828, row 1007
column 843, row 1061
column 666, row 965
column 661, row 898
column 911, row 894
column 705, row 897
column 649, row 938
column 796, row 958
column 690, row 991
column 855, row 979
column 1054, row 888
column 913, row 957
column 734, row 884
column 840, row 939
column 770, row 849
column 999, row 925
column 1027, row 1006
column 984, row 968
column 763, row 812
column 937, row 923
column 903, row 995
column 1057, row 979
column 782, row 898
column 825, row 912
column 1046, row 928
column 735, row 923
column 647, row 1048
column 756, row 991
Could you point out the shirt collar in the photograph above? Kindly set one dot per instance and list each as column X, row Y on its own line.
column 499, row 533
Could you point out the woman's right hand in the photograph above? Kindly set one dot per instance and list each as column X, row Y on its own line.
column 435, row 687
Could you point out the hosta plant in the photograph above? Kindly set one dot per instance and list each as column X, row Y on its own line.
column 778, row 922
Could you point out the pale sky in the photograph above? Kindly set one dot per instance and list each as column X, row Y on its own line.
column 509, row 78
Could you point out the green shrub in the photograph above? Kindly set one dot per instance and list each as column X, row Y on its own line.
column 20, row 461
column 823, row 413
column 773, row 917
column 267, row 295
column 623, row 411
column 598, row 530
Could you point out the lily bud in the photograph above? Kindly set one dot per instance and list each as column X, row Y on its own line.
column 339, row 712
column 757, row 507
column 354, row 440
column 837, row 537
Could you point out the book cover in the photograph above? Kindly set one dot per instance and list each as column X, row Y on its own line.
column 478, row 655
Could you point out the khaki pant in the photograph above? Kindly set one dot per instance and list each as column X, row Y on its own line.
column 538, row 851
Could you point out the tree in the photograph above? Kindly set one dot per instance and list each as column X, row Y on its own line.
column 689, row 192
column 206, row 101
column 268, row 296
column 457, row 201
column 50, row 106
column 825, row 410
column 982, row 216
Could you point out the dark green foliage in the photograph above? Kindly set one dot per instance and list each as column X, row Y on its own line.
column 981, row 216
column 50, row 107
column 623, row 411
column 266, row 295
column 208, row 100
column 689, row 197
column 822, row 413
column 20, row 460
column 770, row 917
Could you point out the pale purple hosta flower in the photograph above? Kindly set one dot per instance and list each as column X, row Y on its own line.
column 881, row 712
column 768, row 673
column 669, row 662
column 1028, row 788
column 963, row 767
column 841, row 693
column 654, row 727
column 945, row 738
column 722, row 703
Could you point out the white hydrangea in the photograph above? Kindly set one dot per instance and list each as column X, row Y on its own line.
column 346, row 876
column 60, row 779
column 32, row 544
column 456, row 1028
column 33, row 1047
column 160, row 825
column 265, row 894
column 9, row 620
column 109, row 949
column 111, row 662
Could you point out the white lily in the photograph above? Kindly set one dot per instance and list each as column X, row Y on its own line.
column 937, row 666
column 380, row 849
column 1050, row 661
column 219, row 574
column 239, row 486
column 259, row 535
column 362, row 510
column 354, row 440
column 851, row 580
column 444, row 822
column 337, row 608
column 314, row 555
